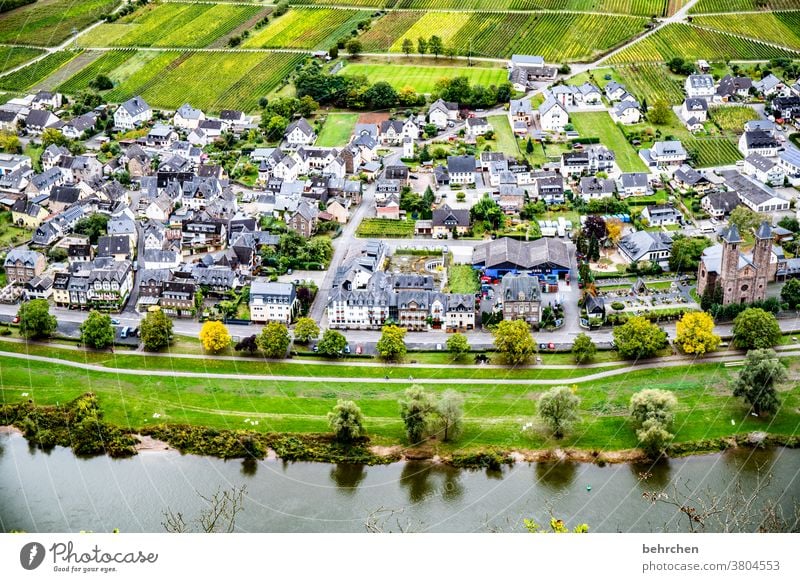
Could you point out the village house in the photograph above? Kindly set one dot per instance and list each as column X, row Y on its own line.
column 633, row 184
column 643, row 245
column 447, row 220
column 300, row 133
column 187, row 117
column 615, row 91
column 720, row 204
column 664, row 154
column 594, row 188
column 27, row 214
column 758, row 142
column 477, row 126
column 461, row 169
column 553, row 116
column 731, row 87
column 522, row 298
column 442, row 112
column 661, row 215
column 626, row 112
column 756, row 196
column 700, row 86
column 271, row 301
column 21, row 265
column 132, row 113
column 765, row 170
column 304, row 220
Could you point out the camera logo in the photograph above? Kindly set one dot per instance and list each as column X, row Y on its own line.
column 31, row 555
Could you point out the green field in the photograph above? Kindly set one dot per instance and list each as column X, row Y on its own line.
column 50, row 22
column 691, row 43
column 385, row 227
column 167, row 79
column 29, row 76
column 337, row 129
column 463, row 279
column 556, row 36
column 494, row 414
column 600, row 124
column 781, row 28
column 503, row 135
column 651, row 82
column 307, row 28
column 11, row 57
column 171, row 24
column 732, row 117
column 742, row 5
column 423, row 78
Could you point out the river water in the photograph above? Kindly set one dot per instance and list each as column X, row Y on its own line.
column 57, row 491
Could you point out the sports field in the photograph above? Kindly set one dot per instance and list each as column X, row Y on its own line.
column 423, row 79
column 600, row 125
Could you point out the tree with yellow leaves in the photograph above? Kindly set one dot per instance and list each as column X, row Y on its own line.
column 696, row 333
column 214, row 336
column 614, row 228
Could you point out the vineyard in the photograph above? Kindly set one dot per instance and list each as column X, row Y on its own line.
column 11, row 57
column 210, row 80
column 651, row 82
column 691, row 43
column 557, row 37
column 703, row 6
column 50, row 22
column 732, row 117
column 171, row 25
column 422, row 78
column 635, row 7
column 104, row 65
column 385, row 228
column 33, row 73
column 782, row 28
column 714, row 151
column 307, row 28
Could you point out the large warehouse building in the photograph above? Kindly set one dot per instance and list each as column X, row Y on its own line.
column 546, row 256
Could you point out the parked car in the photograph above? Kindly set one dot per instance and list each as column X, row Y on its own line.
column 15, row 319
column 123, row 333
column 114, row 321
column 315, row 349
column 347, row 349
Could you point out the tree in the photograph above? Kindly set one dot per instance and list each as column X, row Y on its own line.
column 638, row 338
column 755, row 328
column 415, row 411
column 381, row 95
column 514, row 341
column 57, row 254
column 155, row 330
column 333, row 52
column 219, row 514
column 756, row 381
column 595, row 226
column 789, row 223
column 408, row 46
column 653, row 404
column 450, row 413
column 93, row 226
column 695, row 333
column 101, row 83
column 614, row 230
column 392, row 345
column 346, row 421
column 686, row 252
column 790, row 293
column 10, row 143
column 422, row 46
column 247, row 344
column 354, row 47
column 97, row 331
column 332, row 344
column 275, row 126
column 305, row 330
column 52, row 136
column 746, row 219
column 529, row 147
column 558, row 408
column 653, row 438
column 214, row 336
column 458, row 345
column 435, row 46
column 35, row 320
column 583, row 348
column 594, row 249
column 660, row 112
column 274, row 340
column 488, row 211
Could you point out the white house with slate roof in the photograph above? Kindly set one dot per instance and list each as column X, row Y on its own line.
column 270, row 301
column 553, row 116
column 300, row 133
column 626, row 112
column 187, row 117
column 133, row 112
column 441, row 112
column 700, row 86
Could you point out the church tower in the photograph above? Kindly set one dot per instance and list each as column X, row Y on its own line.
column 729, row 267
column 762, row 253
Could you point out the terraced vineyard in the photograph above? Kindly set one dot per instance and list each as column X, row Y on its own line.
column 32, row 74
column 104, row 65
column 651, row 82
column 556, row 36
column 307, row 28
column 782, row 28
column 211, row 80
column 423, row 79
column 50, row 22
column 171, row 24
column 690, row 42
column 715, row 151
column 11, row 57
column 637, row 7
column 732, row 117
column 742, row 5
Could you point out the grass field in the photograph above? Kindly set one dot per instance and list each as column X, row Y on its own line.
column 504, row 138
column 494, row 415
column 691, row 43
column 600, row 124
column 337, row 129
column 423, row 78
column 50, row 22
column 742, row 5
column 732, row 117
column 556, row 36
column 11, row 57
column 307, row 28
column 463, row 279
column 385, row 227
column 171, row 24
column 34, row 73
column 782, row 28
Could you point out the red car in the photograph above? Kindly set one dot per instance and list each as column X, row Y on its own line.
column 16, row 319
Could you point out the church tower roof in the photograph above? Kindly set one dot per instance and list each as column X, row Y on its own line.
column 732, row 235
column 764, row 231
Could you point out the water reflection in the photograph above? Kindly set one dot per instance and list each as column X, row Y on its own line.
column 249, row 467
column 652, row 476
column 750, row 461
column 556, row 475
column 348, row 477
column 428, row 481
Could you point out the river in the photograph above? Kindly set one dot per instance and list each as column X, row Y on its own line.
column 57, row 491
